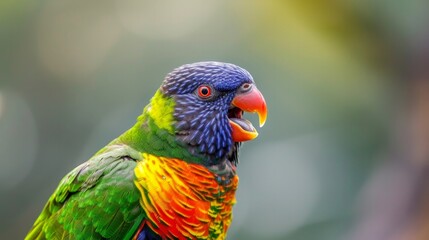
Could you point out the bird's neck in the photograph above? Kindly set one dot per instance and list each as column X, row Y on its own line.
column 154, row 133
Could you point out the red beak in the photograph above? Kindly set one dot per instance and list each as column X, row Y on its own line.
column 253, row 102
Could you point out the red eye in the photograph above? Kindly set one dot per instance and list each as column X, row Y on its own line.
column 204, row 91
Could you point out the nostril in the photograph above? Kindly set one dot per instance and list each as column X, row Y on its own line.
column 245, row 87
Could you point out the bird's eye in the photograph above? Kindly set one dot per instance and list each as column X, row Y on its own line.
column 204, row 91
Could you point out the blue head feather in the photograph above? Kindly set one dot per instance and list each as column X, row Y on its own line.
column 202, row 124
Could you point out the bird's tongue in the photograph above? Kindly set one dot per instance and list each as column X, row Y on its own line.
column 244, row 124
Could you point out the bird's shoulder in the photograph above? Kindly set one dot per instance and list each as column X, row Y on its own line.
column 97, row 199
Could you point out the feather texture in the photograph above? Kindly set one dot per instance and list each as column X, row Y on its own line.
column 170, row 176
column 96, row 200
column 184, row 200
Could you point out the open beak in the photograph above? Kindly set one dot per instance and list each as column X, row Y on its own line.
column 250, row 101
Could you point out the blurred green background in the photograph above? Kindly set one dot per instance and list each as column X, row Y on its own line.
column 76, row 74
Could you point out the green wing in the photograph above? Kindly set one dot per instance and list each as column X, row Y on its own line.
column 96, row 200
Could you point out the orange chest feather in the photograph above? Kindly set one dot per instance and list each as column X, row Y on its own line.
column 184, row 201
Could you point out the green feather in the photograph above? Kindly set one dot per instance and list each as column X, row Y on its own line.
column 161, row 110
column 154, row 132
column 89, row 202
column 98, row 199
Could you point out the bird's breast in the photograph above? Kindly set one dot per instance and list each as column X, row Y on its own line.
column 184, row 200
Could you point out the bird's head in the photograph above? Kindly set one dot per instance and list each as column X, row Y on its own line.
column 207, row 102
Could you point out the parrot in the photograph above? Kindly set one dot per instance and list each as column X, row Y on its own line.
column 172, row 175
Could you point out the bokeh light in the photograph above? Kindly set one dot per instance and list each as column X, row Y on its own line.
column 18, row 143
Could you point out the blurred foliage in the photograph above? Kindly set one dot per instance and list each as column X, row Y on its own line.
column 75, row 74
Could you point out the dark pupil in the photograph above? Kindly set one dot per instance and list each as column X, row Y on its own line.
column 204, row 91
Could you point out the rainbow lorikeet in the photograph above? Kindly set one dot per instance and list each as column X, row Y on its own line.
column 170, row 176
